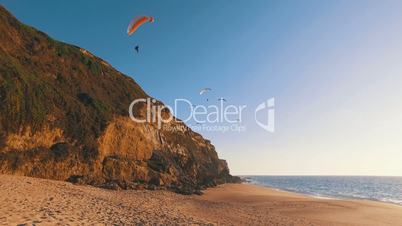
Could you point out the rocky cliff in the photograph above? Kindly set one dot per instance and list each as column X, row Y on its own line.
column 64, row 116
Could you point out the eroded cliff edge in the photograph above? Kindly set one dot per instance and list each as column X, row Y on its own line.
column 64, row 116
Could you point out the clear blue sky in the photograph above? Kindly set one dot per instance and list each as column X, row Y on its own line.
column 334, row 68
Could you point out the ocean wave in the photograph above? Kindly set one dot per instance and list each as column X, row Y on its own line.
column 384, row 189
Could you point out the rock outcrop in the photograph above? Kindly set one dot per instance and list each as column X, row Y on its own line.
column 64, row 116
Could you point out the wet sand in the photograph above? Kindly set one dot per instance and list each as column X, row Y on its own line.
column 29, row 201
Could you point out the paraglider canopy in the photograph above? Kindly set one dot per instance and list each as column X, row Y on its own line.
column 205, row 90
column 137, row 22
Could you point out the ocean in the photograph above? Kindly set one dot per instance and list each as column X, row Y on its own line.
column 385, row 189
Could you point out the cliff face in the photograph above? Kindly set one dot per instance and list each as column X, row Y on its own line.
column 64, row 116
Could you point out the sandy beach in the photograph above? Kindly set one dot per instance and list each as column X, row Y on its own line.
column 32, row 201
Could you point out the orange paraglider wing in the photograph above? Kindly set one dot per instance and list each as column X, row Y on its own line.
column 137, row 22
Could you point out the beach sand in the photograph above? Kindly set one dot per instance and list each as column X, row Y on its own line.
column 31, row 201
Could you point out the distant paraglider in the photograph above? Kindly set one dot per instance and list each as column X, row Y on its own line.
column 138, row 22
column 135, row 24
column 205, row 90
column 222, row 99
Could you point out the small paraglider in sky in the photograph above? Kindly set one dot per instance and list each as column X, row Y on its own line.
column 135, row 24
column 138, row 22
column 222, row 99
column 205, row 90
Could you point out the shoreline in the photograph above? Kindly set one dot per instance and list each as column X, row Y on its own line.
column 247, row 180
column 25, row 200
column 318, row 196
column 299, row 193
column 315, row 211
